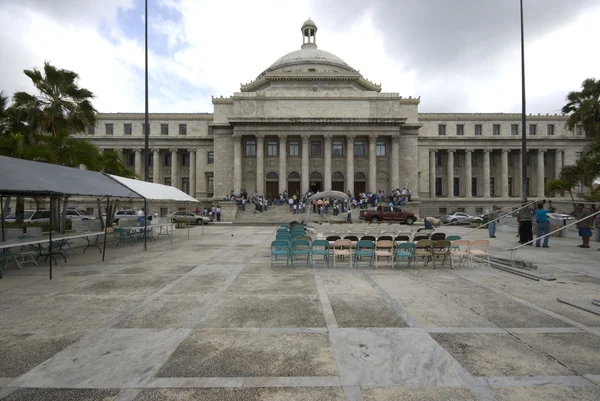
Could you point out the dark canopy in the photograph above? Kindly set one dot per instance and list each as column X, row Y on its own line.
column 27, row 178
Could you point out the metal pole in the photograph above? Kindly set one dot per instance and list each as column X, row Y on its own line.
column 146, row 127
column 523, row 115
column 202, row 207
column 188, row 220
column 2, row 222
column 50, row 237
column 105, row 229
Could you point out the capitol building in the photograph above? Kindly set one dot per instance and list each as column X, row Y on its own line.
column 312, row 122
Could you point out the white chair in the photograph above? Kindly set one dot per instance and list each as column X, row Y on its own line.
column 342, row 248
column 479, row 248
column 384, row 249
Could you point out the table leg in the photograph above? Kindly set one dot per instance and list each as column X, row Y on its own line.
column 92, row 243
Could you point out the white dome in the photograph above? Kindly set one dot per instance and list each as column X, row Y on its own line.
column 309, row 56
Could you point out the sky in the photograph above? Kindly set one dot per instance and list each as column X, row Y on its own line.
column 457, row 56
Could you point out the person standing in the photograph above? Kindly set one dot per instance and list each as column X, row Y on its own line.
column 349, row 216
column 525, row 224
column 543, row 224
column 492, row 216
column 218, row 210
column 581, row 213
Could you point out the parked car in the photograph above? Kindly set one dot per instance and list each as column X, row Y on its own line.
column 30, row 216
column 190, row 217
column 386, row 213
column 125, row 215
column 460, row 218
column 78, row 214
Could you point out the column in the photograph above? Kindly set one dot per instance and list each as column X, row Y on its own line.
column 237, row 164
column 519, row 176
column 504, row 174
column 432, row 153
column 409, row 160
column 283, row 164
column 327, row 178
column 468, row 173
column 372, row 164
column 486, row 173
column 192, row 172
column 305, row 164
column 201, row 157
column 558, row 163
column 156, row 166
column 540, row 174
column 174, row 168
column 260, row 164
column 350, row 164
column 450, row 174
column 395, row 164
column 139, row 173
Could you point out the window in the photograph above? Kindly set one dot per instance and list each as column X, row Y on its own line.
column 443, row 211
column 514, row 129
column 441, row 130
column 127, row 129
column 164, row 129
column 185, row 159
column 185, row 185
column 271, row 148
column 337, row 148
column 496, row 129
column 250, row 148
column 532, row 129
column 167, row 180
column 478, row 211
column 91, row 130
column 315, row 149
column 144, row 128
column 460, row 209
column 294, row 148
column 109, row 129
column 478, row 129
column 510, row 186
column 438, row 186
column 359, row 148
column 492, row 186
column 457, row 188
column 182, row 129
column 210, row 184
column 550, row 129
column 210, row 159
column 577, row 156
column 380, row 148
column 578, row 130
column 164, row 211
column 438, row 159
column 89, row 210
column 131, row 159
column 167, row 160
column 460, row 130
column 474, row 187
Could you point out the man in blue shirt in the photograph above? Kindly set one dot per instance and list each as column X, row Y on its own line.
column 543, row 223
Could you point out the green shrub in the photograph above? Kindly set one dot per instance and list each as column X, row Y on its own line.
column 45, row 226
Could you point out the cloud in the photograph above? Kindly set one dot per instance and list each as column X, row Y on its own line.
column 458, row 56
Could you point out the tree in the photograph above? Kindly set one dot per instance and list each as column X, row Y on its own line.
column 583, row 108
column 61, row 103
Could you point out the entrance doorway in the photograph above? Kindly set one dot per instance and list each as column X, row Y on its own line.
column 360, row 183
column 316, row 180
column 272, row 190
column 293, row 184
column 337, row 182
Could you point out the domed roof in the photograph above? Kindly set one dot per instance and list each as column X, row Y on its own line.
column 309, row 24
column 309, row 56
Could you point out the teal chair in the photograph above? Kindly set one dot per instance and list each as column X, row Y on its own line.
column 404, row 251
column 300, row 247
column 364, row 249
column 453, row 238
column 287, row 237
column 280, row 249
column 320, row 247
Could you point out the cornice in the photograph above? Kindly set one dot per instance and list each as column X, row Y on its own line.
column 488, row 117
column 317, row 121
column 155, row 116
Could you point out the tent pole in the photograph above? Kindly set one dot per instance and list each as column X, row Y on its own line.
column 202, row 207
column 145, row 224
column 2, row 222
column 188, row 221
column 50, row 238
column 172, row 232
column 105, row 228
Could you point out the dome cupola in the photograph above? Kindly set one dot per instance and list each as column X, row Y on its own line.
column 309, row 34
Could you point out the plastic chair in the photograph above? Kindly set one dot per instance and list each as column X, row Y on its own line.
column 123, row 236
column 320, row 247
column 300, row 247
column 342, row 248
column 404, row 251
column 423, row 250
column 364, row 249
column 280, row 248
column 442, row 248
column 384, row 248
column 482, row 251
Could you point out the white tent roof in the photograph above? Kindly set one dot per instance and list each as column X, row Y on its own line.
column 153, row 191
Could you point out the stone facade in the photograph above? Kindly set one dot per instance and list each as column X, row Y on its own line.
column 310, row 121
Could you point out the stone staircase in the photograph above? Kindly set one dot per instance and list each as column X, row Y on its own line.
column 282, row 214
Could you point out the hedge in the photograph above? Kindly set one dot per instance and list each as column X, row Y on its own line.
column 45, row 226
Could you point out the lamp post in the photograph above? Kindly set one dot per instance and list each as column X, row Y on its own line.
column 146, row 125
column 523, row 116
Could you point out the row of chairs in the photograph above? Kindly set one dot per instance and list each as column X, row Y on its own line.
column 398, row 238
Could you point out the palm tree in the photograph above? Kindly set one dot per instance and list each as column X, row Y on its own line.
column 583, row 108
column 61, row 103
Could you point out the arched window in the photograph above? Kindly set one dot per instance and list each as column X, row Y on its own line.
column 337, row 176
column 272, row 176
column 316, row 176
column 359, row 176
column 294, row 176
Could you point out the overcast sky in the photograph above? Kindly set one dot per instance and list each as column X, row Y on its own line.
column 458, row 56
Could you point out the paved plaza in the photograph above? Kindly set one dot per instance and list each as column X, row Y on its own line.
column 207, row 318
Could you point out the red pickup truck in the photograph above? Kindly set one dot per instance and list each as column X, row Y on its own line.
column 386, row 213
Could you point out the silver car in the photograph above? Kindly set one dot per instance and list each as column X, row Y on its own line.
column 460, row 218
column 190, row 217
